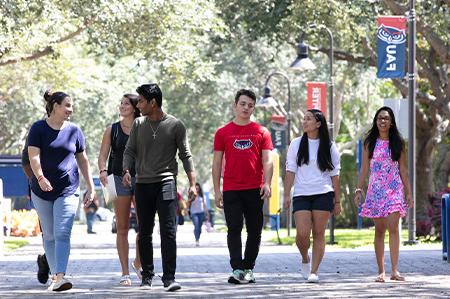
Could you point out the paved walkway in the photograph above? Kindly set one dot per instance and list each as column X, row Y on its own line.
column 95, row 271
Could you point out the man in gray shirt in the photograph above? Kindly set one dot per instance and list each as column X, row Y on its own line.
column 151, row 149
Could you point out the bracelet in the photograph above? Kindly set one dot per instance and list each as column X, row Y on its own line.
column 103, row 170
column 40, row 178
column 358, row 190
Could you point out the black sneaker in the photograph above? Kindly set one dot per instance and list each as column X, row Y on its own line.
column 43, row 269
column 171, row 285
column 146, row 282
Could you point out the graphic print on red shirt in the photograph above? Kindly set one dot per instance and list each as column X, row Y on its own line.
column 242, row 147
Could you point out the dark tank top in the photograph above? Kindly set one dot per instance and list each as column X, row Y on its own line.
column 118, row 141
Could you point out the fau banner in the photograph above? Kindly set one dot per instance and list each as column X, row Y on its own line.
column 317, row 96
column 391, row 40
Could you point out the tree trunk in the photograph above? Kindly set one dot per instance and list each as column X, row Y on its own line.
column 426, row 131
column 442, row 164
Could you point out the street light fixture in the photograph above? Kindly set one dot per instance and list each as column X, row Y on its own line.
column 268, row 101
column 300, row 65
column 302, row 62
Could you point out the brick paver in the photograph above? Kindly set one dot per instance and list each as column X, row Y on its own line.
column 95, row 271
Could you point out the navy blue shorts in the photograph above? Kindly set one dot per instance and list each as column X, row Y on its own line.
column 321, row 202
column 122, row 190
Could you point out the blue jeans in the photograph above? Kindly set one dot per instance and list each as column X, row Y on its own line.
column 90, row 218
column 56, row 219
column 197, row 220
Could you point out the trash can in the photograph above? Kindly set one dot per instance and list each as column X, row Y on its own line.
column 445, row 226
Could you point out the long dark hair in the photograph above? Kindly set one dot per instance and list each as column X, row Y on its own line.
column 395, row 139
column 53, row 97
column 200, row 190
column 133, row 101
column 323, row 155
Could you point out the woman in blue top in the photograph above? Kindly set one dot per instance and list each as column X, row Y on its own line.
column 56, row 148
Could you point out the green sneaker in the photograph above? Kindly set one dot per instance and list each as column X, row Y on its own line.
column 237, row 277
column 248, row 276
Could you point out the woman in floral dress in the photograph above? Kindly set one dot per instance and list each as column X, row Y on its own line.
column 389, row 191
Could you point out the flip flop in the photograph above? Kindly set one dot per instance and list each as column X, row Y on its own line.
column 125, row 280
column 397, row 277
column 380, row 278
column 138, row 271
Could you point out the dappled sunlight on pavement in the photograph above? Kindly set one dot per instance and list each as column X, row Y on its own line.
column 203, row 271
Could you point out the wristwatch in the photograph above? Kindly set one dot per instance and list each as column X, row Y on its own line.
column 125, row 171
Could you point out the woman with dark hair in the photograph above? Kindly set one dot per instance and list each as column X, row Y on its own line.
column 384, row 153
column 113, row 145
column 199, row 212
column 312, row 166
column 56, row 149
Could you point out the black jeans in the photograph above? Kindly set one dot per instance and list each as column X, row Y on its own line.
column 237, row 205
column 162, row 198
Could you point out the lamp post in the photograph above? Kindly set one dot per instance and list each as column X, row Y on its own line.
column 412, row 119
column 268, row 101
column 302, row 63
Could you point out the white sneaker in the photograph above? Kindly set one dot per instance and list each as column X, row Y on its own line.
column 313, row 278
column 305, row 268
column 50, row 286
column 62, row 285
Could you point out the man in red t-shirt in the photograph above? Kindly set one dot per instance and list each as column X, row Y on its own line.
column 246, row 182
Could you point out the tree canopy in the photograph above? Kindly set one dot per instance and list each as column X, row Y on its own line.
column 202, row 51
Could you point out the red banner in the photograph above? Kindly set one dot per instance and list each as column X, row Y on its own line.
column 317, row 96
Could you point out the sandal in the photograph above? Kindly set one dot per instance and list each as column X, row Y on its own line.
column 125, row 280
column 397, row 277
column 138, row 271
column 380, row 278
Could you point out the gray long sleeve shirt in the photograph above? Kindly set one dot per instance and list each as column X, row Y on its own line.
column 154, row 158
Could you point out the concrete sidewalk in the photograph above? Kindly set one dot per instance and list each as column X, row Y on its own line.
column 203, row 271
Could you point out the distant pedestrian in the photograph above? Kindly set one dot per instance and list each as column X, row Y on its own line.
column 56, row 148
column 152, row 146
column 181, row 209
column 113, row 144
column 198, row 212
column 247, row 176
column 312, row 166
column 90, row 212
column 43, row 267
column 385, row 154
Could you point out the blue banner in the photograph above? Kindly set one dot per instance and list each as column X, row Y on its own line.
column 391, row 50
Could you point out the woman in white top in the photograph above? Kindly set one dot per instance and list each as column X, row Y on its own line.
column 199, row 212
column 312, row 166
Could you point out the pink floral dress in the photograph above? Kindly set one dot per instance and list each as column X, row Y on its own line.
column 385, row 193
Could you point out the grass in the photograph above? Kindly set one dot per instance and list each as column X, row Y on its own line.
column 345, row 238
column 14, row 243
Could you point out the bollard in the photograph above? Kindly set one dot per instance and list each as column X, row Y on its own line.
column 444, row 227
column 2, row 238
column 446, row 237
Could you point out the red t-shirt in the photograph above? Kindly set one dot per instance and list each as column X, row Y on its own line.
column 242, row 146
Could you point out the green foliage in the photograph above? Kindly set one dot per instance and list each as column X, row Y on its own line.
column 15, row 243
column 345, row 238
column 201, row 52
